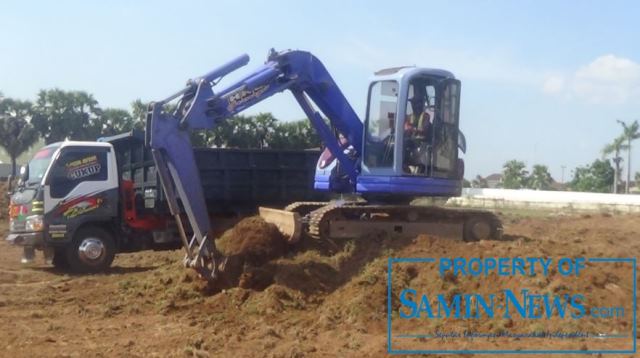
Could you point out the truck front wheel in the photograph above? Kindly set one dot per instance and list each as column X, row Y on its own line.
column 92, row 250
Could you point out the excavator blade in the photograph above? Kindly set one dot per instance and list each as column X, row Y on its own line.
column 288, row 222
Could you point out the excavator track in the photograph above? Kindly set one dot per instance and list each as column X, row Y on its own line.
column 319, row 220
column 305, row 207
column 353, row 220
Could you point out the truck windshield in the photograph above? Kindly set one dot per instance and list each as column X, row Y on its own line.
column 40, row 162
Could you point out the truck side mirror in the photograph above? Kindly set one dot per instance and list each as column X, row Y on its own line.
column 24, row 173
column 9, row 184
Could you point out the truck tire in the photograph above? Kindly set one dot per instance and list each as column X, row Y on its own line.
column 92, row 250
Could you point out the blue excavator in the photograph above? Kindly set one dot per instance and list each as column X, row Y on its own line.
column 406, row 146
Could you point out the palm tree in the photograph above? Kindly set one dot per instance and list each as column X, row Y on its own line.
column 514, row 174
column 615, row 147
column 540, row 178
column 630, row 133
column 16, row 133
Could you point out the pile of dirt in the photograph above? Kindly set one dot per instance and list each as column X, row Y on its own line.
column 253, row 239
column 320, row 299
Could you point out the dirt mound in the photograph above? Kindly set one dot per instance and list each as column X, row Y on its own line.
column 254, row 239
column 320, row 299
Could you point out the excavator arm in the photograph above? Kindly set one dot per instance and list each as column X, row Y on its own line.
column 199, row 107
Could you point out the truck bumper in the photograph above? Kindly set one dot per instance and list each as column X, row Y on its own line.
column 32, row 239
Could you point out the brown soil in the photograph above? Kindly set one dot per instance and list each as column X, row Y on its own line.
column 316, row 299
column 254, row 239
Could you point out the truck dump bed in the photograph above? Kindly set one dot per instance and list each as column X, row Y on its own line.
column 234, row 180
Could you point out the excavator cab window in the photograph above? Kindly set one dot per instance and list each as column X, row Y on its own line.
column 417, row 130
column 430, row 137
column 445, row 130
column 380, row 124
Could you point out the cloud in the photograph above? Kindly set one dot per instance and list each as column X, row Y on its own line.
column 553, row 84
column 607, row 79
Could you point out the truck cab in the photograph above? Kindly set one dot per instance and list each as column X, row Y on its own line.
column 67, row 205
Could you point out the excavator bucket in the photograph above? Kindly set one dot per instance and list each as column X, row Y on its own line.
column 288, row 222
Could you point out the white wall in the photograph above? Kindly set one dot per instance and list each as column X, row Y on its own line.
column 506, row 198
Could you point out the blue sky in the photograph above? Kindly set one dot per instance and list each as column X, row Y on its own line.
column 543, row 81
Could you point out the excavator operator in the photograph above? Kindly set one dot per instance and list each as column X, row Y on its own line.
column 418, row 122
column 417, row 128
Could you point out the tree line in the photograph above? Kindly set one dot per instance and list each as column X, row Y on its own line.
column 599, row 176
column 57, row 115
column 516, row 176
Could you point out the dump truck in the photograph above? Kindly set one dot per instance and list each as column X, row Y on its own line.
column 82, row 202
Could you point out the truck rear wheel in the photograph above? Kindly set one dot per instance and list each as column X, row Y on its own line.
column 92, row 250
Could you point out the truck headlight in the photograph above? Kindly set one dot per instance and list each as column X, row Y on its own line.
column 34, row 223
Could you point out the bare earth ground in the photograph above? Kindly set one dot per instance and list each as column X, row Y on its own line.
column 320, row 299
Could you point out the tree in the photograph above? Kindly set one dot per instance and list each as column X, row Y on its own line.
column 139, row 111
column 242, row 132
column 114, row 121
column 295, row 135
column 259, row 131
column 266, row 128
column 514, row 174
column 615, row 147
column 479, row 182
column 58, row 115
column 630, row 133
column 16, row 133
column 597, row 177
column 540, row 178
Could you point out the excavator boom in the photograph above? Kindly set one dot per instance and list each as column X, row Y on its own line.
column 199, row 107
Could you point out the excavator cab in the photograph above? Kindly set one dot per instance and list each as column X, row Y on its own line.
column 411, row 135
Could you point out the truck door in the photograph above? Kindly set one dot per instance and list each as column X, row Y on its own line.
column 79, row 187
column 445, row 130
